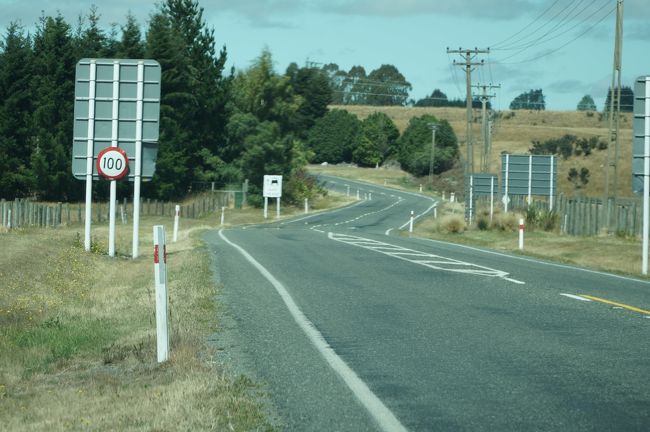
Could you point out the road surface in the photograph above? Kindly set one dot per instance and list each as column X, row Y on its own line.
column 354, row 327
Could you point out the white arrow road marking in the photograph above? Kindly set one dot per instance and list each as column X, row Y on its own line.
column 422, row 258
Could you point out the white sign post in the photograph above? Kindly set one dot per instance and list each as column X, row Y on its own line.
column 112, row 164
column 160, row 271
column 177, row 216
column 272, row 189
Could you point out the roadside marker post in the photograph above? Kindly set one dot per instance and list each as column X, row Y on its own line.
column 420, row 188
column 370, row 196
column 357, row 193
column 435, row 212
column 266, row 207
column 521, row 234
column 348, row 190
column 223, row 215
column 306, row 205
column 160, row 275
column 411, row 222
column 277, row 208
column 177, row 216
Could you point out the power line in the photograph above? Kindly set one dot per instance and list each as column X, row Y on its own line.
column 527, row 27
column 549, row 52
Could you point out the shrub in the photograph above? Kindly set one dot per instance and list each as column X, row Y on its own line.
column 453, row 225
column 548, row 220
column 506, row 222
column 482, row 222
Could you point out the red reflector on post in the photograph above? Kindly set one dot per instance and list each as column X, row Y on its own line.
column 156, row 259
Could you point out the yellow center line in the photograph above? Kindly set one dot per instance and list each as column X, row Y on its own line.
column 622, row 305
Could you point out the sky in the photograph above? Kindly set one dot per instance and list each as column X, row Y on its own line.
column 564, row 47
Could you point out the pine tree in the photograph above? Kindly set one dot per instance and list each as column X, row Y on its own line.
column 15, row 113
column 130, row 45
column 53, row 92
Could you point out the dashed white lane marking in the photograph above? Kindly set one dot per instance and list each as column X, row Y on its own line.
column 575, row 297
column 399, row 200
column 422, row 258
column 380, row 412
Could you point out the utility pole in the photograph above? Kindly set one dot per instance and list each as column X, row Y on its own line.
column 614, row 115
column 469, row 55
column 433, row 127
column 485, row 131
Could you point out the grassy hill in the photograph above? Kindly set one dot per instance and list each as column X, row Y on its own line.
column 514, row 132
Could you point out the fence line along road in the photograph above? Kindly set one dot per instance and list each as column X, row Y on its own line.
column 30, row 213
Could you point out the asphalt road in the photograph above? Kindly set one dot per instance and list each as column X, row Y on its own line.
column 353, row 327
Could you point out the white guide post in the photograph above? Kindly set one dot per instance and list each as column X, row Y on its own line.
column 277, row 208
column 420, row 187
column 491, row 198
column 530, row 180
column 223, row 215
column 177, row 216
column 138, row 160
column 266, row 207
column 348, row 190
column 357, row 193
column 505, row 187
column 160, row 271
column 113, row 186
column 369, row 196
column 90, row 152
column 411, row 222
column 646, row 179
column 521, row 234
column 550, row 200
column 306, row 205
column 435, row 212
column 471, row 198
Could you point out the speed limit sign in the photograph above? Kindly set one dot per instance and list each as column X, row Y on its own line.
column 112, row 163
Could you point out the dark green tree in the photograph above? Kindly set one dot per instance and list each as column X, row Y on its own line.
column 627, row 99
column 53, row 97
column 193, row 97
column 415, row 146
column 531, row 100
column 15, row 113
column 379, row 140
column 387, row 86
column 131, row 45
column 586, row 104
column 313, row 87
column 436, row 99
column 334, row 137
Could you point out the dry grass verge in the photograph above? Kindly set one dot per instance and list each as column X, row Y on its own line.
column 77, row 333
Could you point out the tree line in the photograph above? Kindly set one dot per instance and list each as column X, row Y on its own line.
column 215, row 125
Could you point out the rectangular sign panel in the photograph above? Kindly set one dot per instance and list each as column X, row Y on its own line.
column 528, row 175
column 272, row 186
column 117, row 102
column 640, row 131
column 483, row 184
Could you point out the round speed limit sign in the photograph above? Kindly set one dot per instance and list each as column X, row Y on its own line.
column 112, row 163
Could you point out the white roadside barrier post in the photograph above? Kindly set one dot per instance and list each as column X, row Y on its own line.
column 348, row 190
column 357, row 193
column 160, row 271
column 266, row 207
column 176, row 217
column 223, row 215
column 370, row 196
column 521, row 234
column 9, row 220
column 452, row 197
column 306, row 205
column 435, row 212
column 420, row 187
column 411, row 222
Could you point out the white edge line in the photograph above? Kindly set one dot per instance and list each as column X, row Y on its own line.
column 575, row 297
column 515, row 281
column 568, row 267
column 380, row 412
column 322, row 213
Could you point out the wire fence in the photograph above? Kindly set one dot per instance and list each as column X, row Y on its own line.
column 30, row 213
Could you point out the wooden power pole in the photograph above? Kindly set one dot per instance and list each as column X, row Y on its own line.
column 614, row 116
column 469, row 55
column 485, row 130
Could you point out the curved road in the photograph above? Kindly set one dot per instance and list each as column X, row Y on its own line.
column 354, row 328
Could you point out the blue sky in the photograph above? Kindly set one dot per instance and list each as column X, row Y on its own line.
column 564, row 47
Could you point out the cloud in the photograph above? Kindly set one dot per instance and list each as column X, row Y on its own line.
column 488, row 9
